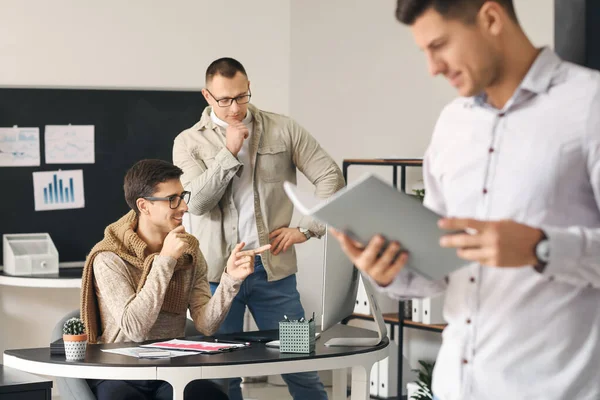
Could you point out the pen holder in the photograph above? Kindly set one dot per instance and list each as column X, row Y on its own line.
column 296, row 336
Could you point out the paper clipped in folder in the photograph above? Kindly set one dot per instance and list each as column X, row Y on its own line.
column 370, row 206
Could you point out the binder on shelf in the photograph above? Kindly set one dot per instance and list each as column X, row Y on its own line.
column 432, row 310
column 388, row 373
column 417, row 305
column 374, row 380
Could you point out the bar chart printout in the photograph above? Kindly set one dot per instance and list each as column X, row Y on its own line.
column 58, row 190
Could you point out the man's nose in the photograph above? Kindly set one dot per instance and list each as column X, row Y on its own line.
column 434, row 65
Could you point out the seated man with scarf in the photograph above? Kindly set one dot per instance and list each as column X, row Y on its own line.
column 140, row 280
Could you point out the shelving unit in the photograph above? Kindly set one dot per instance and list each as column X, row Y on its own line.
column 393, row 319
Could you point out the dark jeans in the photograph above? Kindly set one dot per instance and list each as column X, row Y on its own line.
column 269, row 302
column 153, row 390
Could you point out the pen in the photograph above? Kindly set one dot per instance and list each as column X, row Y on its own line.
column 231, row 342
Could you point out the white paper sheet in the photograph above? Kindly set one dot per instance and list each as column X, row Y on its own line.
column 58, row 190
column 134, row 351
column 19, row 147
column 69, row 144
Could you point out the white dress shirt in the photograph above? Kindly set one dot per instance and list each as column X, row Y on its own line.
column 243, row 194
column 514, row 333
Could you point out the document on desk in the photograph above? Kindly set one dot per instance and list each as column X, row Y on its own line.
column 143, row 352
column 197, row 346
column 369, row 206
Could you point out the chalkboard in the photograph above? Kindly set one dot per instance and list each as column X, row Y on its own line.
column 130, row 125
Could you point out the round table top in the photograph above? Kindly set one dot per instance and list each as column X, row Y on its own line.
column 257, row 353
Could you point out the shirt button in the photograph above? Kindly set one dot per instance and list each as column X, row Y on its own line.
column 465, row 361
column 484, row 191
column 491, row 150
column 472, row 279
column 502, row 114
column 468, row 321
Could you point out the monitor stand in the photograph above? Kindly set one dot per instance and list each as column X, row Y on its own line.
column 377, row 316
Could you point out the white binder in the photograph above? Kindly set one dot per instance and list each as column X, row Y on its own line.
column 374, row 384
column 417, row 305
column 388, row 373
column 432, row 310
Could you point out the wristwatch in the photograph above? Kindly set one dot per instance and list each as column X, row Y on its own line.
column 306, row 232
column 542, row 253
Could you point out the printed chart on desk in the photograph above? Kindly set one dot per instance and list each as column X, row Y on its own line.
column 58, row 190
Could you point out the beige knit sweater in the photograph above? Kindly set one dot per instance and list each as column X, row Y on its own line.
column 127, row 316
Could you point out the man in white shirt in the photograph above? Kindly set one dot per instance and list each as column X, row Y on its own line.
column 517, row 160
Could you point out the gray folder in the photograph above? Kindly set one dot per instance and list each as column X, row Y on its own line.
column 370, row 206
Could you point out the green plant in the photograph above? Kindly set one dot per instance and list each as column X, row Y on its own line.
column 74, row 326
column 424, row 383
column 420, row 193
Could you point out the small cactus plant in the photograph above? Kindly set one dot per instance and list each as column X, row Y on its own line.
column 73, row 326
column 75, row 339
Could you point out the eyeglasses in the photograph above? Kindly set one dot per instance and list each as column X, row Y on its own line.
column 227, row 101
column 174, row 201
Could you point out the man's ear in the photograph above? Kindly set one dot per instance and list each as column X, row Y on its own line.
column 492, row 17
column 206, row 96
column 142, row 205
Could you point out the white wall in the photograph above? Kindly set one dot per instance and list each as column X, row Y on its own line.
column 145, row 44
column 360, row 86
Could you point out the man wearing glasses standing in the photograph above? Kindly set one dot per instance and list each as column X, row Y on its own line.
column 139, row 282
column 234, row 163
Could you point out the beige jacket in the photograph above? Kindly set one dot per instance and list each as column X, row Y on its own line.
column 279, row 145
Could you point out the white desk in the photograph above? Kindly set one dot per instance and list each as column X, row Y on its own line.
column 68, row 277
column 255, row 361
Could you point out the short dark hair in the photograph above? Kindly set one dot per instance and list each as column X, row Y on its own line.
column 407, row 11
column 142, row 178
column 226, row 67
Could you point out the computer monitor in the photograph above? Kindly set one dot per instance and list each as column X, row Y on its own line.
column 340, row 286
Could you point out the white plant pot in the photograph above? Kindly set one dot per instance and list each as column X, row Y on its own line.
column 75, row 346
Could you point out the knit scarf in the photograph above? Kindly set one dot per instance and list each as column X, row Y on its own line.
column 121, row 238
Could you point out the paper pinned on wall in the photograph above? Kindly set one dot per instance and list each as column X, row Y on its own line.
column 69, row 144
column 58, row 190
column 19, row 147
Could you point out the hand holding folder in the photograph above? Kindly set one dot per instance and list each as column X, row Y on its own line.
column 368, row 208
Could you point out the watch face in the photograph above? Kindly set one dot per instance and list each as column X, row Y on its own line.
column 542, row 250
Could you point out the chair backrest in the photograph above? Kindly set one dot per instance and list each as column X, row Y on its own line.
column 57, row 332
column 70, row 388
column 190, row 328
